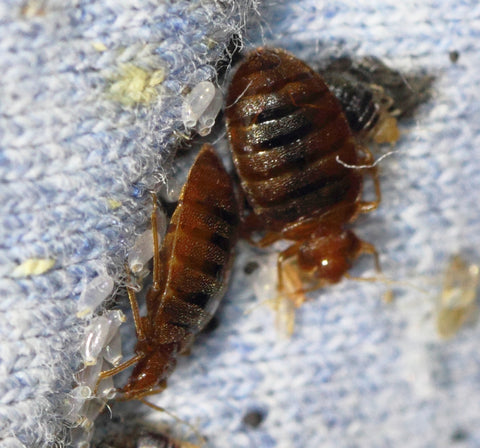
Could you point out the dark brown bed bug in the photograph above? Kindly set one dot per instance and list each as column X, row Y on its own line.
column 294, row 151
column 367, row 107
column 190, row 275
column 398, row 94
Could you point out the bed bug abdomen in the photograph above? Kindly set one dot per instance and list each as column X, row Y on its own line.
column 199, row 245
column 190, row 275
column 356, row 99
column 287, row 131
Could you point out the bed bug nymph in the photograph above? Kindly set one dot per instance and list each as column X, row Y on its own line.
column 190, row 275
column 292, row 149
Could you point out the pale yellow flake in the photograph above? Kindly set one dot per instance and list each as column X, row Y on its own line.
column 99, row 46
column 113, row 203
column 135, row 85
column 33, row 266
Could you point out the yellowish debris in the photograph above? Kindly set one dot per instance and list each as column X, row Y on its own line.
column 99, row 46
column 113, row 203
column 457, row 303
column 33, row 8
column 389, row 296
column 135, row 85
column 387, row 131
column 33, row 266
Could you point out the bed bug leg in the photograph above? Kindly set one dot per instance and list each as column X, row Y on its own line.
column 156, row 245
column 138, row 321
column 120, row 368
column 140, row 335
column 200, row 438
column 139, row 328
column 367, row 248
column 251, row 224
column 140, row 396
column 282, row 257
column 368, row 206
column 268, row 239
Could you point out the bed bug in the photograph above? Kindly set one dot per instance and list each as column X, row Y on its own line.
column 190, row 275
column 293, row 151
column 401, row 93
column 367, row 107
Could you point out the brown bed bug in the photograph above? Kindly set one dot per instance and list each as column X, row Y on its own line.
column 190, row 275
column 294, row 151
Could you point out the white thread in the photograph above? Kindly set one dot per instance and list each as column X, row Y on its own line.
column 361, row 167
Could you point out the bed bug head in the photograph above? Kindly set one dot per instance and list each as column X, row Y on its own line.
column 329, row 255
column 150, row 373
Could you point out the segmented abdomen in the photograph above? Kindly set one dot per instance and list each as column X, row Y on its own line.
column 198, row 246
column 286, row 131
column 357, row 101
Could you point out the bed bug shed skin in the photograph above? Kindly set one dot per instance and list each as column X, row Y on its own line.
column 292, row 148
column 191, row 272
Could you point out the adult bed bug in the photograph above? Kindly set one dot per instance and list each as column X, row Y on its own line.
column 367, row 107
column 374, row 95
column 294, row 151
column 190, row 275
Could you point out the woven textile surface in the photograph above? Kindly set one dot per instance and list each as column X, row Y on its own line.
column 90, row 100
column 80, row 148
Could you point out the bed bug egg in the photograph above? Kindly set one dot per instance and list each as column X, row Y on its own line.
column 94, row 293
column 142, row 251
column 99, row 333
column 88, row 376
column 96, row 336
column 112, row 352
column 75, row 402
column 115, row 319
column 207, row 119
column 79, row 438
column 90, row 411
column 106, row 389
column 284, row 302
column 196, row 102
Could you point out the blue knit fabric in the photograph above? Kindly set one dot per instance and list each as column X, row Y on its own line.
column 80, row 147
column 80, row 144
